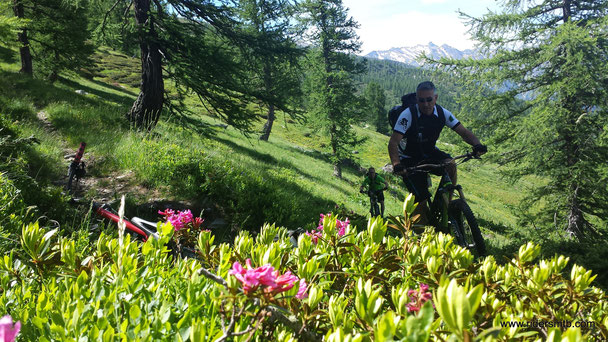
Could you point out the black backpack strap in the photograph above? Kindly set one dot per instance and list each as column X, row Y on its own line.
column 441, row 115
column 414, row 112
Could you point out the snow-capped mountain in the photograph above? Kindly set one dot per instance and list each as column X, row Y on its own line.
column 408, row 55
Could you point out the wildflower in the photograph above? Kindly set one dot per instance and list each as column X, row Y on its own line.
column 418, row 298
column 342, row 225
column 284, row 282
column 302, row 290
column 181, row 219
column 8, row 331
column 318, row 233
column 315, row 235
column 266, row 278
column 253, row 278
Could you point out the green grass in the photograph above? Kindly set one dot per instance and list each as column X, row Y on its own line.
column 288, row 179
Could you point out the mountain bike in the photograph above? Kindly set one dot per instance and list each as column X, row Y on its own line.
column 139, row 228
column 373, row 202
column 453, row 216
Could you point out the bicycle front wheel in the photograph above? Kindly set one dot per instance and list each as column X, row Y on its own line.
column 462, row 218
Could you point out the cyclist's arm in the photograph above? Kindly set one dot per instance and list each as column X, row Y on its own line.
column 365, row 181
column 467, row 135
column 393, row 147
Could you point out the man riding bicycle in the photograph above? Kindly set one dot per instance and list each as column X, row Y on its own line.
column 419, row 127
column 376, row 185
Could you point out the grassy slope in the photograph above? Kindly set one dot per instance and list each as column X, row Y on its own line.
column 294, row 159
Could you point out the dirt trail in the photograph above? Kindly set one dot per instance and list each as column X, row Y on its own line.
column 108, row 188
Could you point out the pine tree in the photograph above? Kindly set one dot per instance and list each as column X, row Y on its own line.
column 200, row 45
column 59, row 36
column 273, row 60
column 54, row 35
column 331, row 87
column 9, row 25
column 548, row 68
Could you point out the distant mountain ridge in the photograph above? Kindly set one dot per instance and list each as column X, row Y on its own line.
column 408, row 55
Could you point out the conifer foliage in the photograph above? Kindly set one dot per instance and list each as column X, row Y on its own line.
column 333, row 99
column 273, row 62
column 201, row 46
column 53, row 35
column 547, row 59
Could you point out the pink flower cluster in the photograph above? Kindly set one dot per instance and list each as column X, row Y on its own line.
column 267, row 278
column 318, row 233
column 418, row 298
column 8, row 332
column 181, row 219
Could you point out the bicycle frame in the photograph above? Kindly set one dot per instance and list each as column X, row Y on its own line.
column 137, row 226
column 439, row 207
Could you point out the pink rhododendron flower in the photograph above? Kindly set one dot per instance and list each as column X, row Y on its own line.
column 315, row 235
column 418, row 298
column 181, row 219
column 302, row 290
column 318, row 233
column 342, row 225
column 8, row 331
column 266, row 278
column 284, row 282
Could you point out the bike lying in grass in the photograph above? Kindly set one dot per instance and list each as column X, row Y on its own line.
column 139, row 228
column 449, row 215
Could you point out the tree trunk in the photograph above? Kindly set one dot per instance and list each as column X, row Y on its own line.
column 149, row 104
column 268, row 125
column 337, row 170
column 576, row 220
column 24, row 49
column 268, row 84
column 334, row 149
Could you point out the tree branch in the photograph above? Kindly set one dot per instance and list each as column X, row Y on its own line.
column 105, row 17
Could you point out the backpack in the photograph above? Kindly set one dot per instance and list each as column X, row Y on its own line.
column 407, row 100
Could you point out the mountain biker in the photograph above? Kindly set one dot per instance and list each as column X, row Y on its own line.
column 420, row 139
column 376, row 184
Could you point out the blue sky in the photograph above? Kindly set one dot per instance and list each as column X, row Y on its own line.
column 397, row 23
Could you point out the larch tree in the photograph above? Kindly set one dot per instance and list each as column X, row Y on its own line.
column 53, row 36
column 199, row 45
column 273, row 61
column 333, row 101
column 543, row 90
column 24, row 43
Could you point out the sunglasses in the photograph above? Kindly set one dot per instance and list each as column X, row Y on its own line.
column 423, row 100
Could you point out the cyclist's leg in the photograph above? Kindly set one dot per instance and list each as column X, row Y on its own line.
column 417, row 184
column 439, row 156
column 380, row 196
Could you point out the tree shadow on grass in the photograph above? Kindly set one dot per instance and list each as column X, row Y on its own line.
column 271, row 160
column 116, row 98
column 8, row 55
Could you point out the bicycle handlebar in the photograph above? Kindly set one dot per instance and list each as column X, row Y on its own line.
column 424, row 167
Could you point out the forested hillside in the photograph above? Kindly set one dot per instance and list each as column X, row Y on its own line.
column 243, row 135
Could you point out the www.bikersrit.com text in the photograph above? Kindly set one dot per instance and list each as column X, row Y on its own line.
column 548, row 324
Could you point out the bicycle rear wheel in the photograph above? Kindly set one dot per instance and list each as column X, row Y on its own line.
column 462, row 218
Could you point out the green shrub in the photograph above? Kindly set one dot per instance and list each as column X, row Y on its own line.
column 361, row 286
